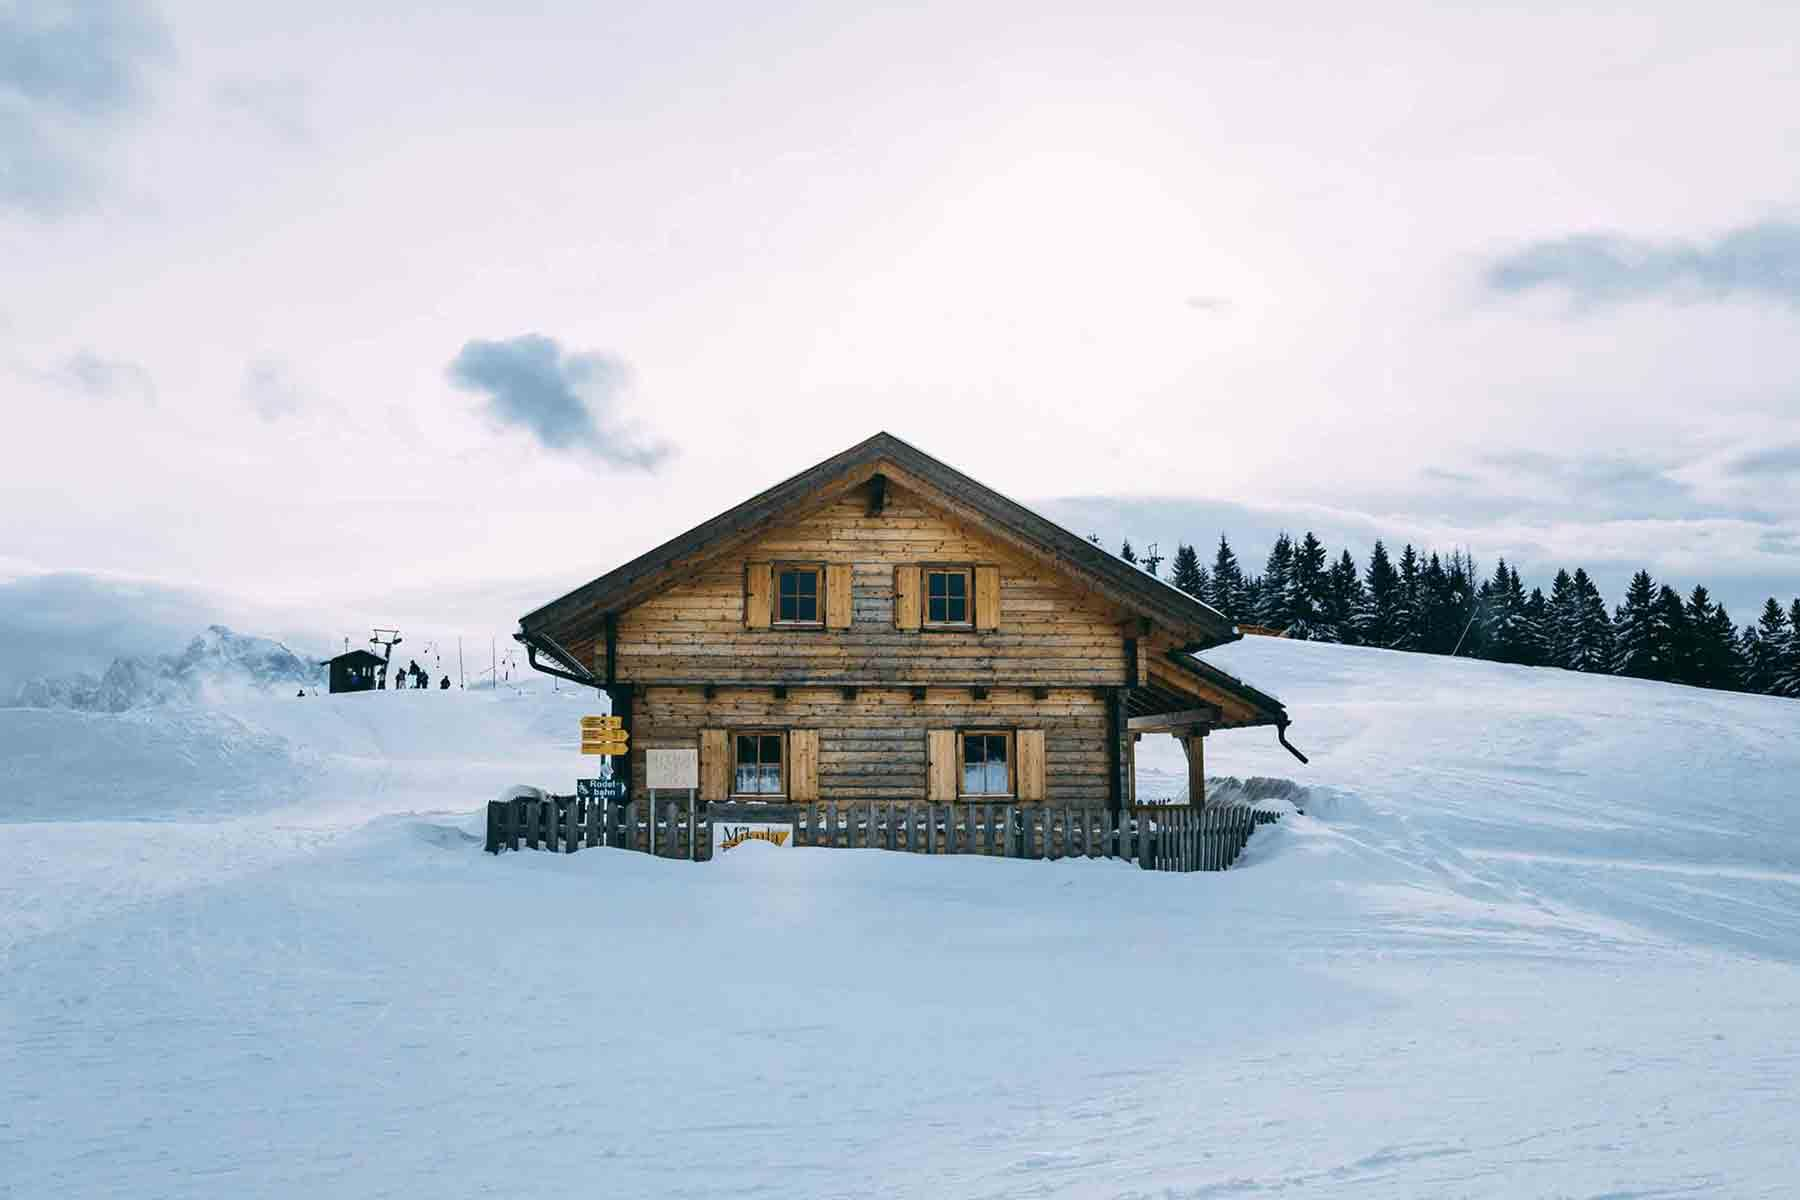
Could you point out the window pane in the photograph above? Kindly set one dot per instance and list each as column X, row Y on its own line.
column 956, row 610
column 789, row 607
column 806, row 608
column 995, row 782
column 956, row 583
column 939, row 609
column 972, row 747
column 771, row 749
column 806, row 582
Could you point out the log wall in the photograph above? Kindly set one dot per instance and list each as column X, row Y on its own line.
column 872, row 746
column 1048, row 632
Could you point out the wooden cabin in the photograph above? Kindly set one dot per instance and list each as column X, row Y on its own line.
column 355, row 671
column 883, row 627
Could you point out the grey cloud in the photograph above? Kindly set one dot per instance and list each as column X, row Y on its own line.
column 72, row 620
column 108, row 378
column 276, row 106
column 270, row 390
column 1209, row 303
column 1772, row 460
column 1761, row 260
column 66, row 69
column 566, row 401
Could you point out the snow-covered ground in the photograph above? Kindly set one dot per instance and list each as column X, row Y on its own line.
column 1539, row 934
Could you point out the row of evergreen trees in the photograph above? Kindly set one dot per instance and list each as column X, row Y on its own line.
column 1444, row 605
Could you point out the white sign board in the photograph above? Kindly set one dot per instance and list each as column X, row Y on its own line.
column 677, row 769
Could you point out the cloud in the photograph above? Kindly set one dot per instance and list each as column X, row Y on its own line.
column 1208, row 303
column 108, row 378
column 270, row 390
column 275, row 106
column 66, row 70
column 1761, row 260
column 65, row 621
column 1771, row 460
column 565, row 401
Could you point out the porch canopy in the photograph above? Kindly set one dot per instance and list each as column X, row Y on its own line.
column 1180, row 695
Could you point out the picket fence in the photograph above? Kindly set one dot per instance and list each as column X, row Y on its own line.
column 668, row 828
column 1155, row 837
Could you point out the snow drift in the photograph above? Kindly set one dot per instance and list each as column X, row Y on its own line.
column 1536, row 934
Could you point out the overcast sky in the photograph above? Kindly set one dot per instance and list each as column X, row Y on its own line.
column 429, row 316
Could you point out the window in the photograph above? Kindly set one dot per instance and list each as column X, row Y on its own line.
column 986, row 763
column 797, row 595
column 947, row 592
column 758, row 765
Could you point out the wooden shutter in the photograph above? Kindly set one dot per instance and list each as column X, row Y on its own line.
column 837, row 595
column 987, row 598
column 715, row 764
column 940, row 764
column 803, row 764
column 1030, row 767
column 907, row 610
column 756, row 594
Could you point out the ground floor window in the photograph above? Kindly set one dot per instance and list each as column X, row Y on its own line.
column 758, row 760
column 987, row 763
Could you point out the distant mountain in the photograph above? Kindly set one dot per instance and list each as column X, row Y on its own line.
column 216, row 662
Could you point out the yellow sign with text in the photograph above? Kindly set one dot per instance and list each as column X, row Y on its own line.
column 604, row 735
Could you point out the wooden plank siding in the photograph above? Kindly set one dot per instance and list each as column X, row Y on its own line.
column 1046, row 631
column 874, row 746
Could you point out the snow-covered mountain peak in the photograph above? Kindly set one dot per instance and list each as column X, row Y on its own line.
column 217, row 661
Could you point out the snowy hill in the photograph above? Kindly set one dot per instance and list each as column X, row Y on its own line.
column 216, row 665
column 1538, row 934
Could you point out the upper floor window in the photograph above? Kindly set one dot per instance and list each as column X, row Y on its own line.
column 947, row 592
column 758, row 765
column 797, row 595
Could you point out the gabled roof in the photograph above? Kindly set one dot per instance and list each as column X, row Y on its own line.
column 1198, row 626
column 354, row 658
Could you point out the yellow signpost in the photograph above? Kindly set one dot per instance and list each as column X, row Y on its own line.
column 604, row 735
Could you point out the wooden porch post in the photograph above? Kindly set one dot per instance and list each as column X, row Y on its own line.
column 1193, row 741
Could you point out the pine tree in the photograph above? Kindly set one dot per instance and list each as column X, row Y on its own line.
column 1185, row 572
column 1378, row 617
column 1345, row 600
column 1504, row 638
column 1634, row 630
column 1275, row 607
column 1714, row 659
column 1559, row 621
column 1439, row 607
column 1309, row 592
column 1535, row 627
column 1409, row 608
column 1459, row 634
column 1250, row 603
column 1228, row 582
column 1591, row 642
column 1674, row 637
column 1787, row 675
column 1770, row 648
column 1127, row 553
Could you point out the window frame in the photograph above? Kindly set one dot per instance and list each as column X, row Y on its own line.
column 817, row 570
column 781, row 735
column 1010, row 737
column 967, row 571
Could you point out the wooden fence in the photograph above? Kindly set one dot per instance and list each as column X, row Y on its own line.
column 1157, row 838
column 569, row 823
